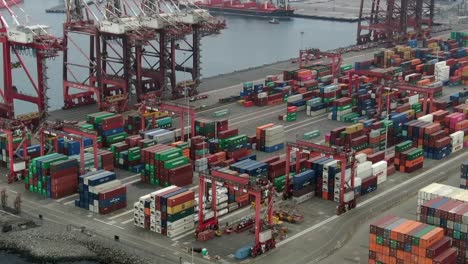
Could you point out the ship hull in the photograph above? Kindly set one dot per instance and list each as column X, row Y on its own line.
column 280, row 14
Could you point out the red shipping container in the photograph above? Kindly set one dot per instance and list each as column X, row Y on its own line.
column 157, row 198
column 182, row 179
column 228, row 133
column 442, row 142
column 180, row 198
column 113, row 192
column 112, row 122
column 112, row 208
column 376, row 157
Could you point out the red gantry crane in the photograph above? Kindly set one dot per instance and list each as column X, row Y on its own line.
column 13, row 129
column 262, row 190
column 148, row 107
column 308, row 55
column 59, row 129
column 345, row 195
column 25, row 40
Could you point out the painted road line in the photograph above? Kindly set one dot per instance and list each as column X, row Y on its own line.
column 10, row 213
column 121, row 214
column 131, row 182
column 370, row 200
column 230, row 87
column 128, row 221
column 308, row 124
column 70, row 202
column 305, row 120
column 108, row 223
column 193, row 188
column 257, row 116
column 131, row 177
column 66, row 198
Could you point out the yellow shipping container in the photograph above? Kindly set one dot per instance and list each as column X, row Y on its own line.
column 179, row 208
column 354, row 128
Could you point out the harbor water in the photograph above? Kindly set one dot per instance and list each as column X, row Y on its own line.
column 247, row 42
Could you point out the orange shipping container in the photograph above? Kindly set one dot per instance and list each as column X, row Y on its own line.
column 432, row 237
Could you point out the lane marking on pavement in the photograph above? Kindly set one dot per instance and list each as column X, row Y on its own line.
column 230, row 87
column 13, row 191
column 70, row 202
column 131, row 177
column 308, row 124
column 305, row 121
column 66, row 198
column 121, row 214
column 193, row 188
column 131, row 182
column 10, row 213
column 128, row 221
column 107, row 223
column 370, row 200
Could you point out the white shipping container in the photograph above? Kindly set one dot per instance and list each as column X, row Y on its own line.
column 262, row 95
column 220, row 199
column 222, row 212
column 457, row 137
column 303, row 198
column 427, row 118
column 349, row 196
column 365, row 174
column 381, row 178
column 181, row 230
column 19, row 166
column 180, row 222
column 457, row 148
column 265, row 236
column 357, row 182
column 294, row 98
column 219, row 190
column 361, row 157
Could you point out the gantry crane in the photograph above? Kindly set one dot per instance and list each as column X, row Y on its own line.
column 60, row 129
column 343, row 155
column 151, row 107
column 26, row 40
column 308, row 55
column 15, row 128
column 390, row 20
column 261, row 189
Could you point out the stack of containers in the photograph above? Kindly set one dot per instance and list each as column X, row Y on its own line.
column 379, row 170
column 436, row 190
column 165, row 165
column 329, row 93
column 291, row 114
column 39, row 178
column 159, row 135
column 315, row 107
column 397, row 240
column 442, row 71
column 303, row 186
column 464, row 175
column 277, row 172
column 451, row 216
column 205, row 128
column 407, row 158
column 328, row 171
column 273, row 138
column 223, row 203
column 364, row 171
column 457, row 141
column 101, row 193
column 198, row 148
column 169, row 211
column 341, row 107
column 109, row 126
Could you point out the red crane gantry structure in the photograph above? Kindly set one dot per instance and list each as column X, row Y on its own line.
column 24, row 40
column 176, row 108
column 132, row 55
column 308, row 55
column 14, row 128
column 390, row 20
column 62, row 130
column 343, row 155
column 261, row 190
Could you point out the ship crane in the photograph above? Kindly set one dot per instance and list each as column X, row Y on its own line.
column 21, row 40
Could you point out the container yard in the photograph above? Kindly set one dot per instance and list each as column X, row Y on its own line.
column 310, row 159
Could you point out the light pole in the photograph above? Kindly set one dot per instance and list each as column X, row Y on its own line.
column 302, row 38
column 187, row 101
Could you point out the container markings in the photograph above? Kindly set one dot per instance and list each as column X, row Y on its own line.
column 107, row 223
column 66, row 198
column 370, row 200
column 119, row 215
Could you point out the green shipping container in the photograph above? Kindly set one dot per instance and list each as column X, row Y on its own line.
column 404, row 146
column 116, row 138
column 311, row 134
column 180, row 215
column 416, row 153
column 177, row 162
column 168, row 154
